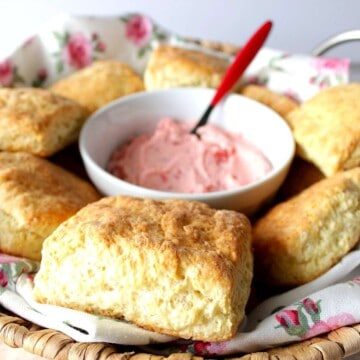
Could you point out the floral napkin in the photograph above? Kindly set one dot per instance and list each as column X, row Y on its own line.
column 329, row 302
column 69, row 43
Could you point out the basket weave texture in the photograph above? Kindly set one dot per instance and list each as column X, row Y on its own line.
column 54, row 345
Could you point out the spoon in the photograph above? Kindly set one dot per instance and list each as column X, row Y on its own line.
column 236, row 69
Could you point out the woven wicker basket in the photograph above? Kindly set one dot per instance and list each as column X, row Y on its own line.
column 54, row 345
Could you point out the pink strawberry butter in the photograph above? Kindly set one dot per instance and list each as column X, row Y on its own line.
column 173, row 160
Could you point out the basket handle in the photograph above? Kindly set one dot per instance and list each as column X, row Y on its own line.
column 344, row 37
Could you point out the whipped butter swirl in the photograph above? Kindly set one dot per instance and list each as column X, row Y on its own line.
column 173, row 160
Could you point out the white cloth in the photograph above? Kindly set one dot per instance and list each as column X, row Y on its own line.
column 329, row 302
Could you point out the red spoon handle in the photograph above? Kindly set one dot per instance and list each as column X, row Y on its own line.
column 242, row 60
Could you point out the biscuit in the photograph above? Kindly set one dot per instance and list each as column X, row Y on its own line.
column 327, row 128
column 37, row 121
column 171, row 66
column 279, row 103
column 175, row 267
column 303, row 237
column 100, row 83
column 35, row 197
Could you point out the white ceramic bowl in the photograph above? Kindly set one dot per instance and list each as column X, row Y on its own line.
column 139, row 113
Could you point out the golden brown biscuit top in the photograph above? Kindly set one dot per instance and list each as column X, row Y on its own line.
column 99, row 83
column 337, row 105
column 169, row 225
column 166, row 55
column 33, row 107
column 110, row 70
column 336, row 108
column 303, row 212
column 35, row 191
column 327, row 128
column 337, row 96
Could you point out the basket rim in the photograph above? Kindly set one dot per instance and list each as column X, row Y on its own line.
column 17, row 332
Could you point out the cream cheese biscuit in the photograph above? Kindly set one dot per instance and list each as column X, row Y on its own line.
column 100, row 83
column 38, row 121
column 35, row 197
column 327, row 128
column 303, row 237
column 175, row 267
column 171, row 66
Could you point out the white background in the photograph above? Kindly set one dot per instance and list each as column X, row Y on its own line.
column 299, row 26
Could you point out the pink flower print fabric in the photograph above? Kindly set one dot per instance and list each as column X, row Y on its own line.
column 324, row 68
column 77, row 51
column 296, row 321
column 331, row 323
column 4, row 259
column 139, row 29
column 312, row 308
column 98, row 44
column 6, row 72
column 142, row 33
column 289, row 320
column 3, row 278
column 338, row 65
column 307, row 320
column 11, row 268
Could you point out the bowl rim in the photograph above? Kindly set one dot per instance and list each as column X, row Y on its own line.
column 110, row 178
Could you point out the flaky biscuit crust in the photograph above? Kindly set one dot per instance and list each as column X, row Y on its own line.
column 37, row 121
column 300, row 239
column 327, row 128
column 172, row 266
column 100, row 83
column 35, row 197
column 171, row 66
